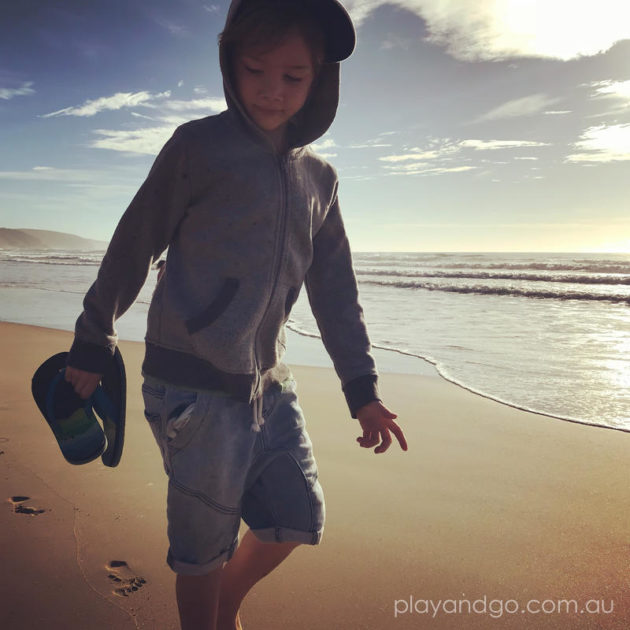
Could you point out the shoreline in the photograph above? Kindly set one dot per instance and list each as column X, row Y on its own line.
column 429, row 367
column 307, row 350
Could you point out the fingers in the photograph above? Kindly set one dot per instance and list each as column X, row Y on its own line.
column 377, row 421
column 369, row 439
column 382, row 439
column 83, row 387
column 400, row 436
column 84, row 383
column 386, row 441
column 85, row 390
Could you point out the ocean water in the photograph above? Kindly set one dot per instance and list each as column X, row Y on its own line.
column 545, row 332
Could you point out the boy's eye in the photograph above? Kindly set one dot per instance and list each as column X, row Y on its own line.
column 291, row 79
column 252, row 70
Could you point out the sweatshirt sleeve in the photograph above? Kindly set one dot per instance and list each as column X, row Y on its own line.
column 333, row 294
column 143, row 233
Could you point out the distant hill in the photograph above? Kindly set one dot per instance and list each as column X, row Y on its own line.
column 45, row 239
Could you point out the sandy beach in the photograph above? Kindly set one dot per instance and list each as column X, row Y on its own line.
column 492, row 508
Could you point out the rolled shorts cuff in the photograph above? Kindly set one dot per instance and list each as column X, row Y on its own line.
column 188, row 568
column 285, row 534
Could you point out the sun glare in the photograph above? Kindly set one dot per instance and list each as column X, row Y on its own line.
column 614, row 247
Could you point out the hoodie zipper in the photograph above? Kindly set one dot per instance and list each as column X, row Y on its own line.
column 279, row 251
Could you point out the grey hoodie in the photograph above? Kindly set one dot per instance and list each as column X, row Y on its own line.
column 245, row 228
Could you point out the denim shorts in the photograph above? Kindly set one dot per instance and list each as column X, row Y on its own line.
column 220, row 471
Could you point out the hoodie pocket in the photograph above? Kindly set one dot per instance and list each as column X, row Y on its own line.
column 216, row 308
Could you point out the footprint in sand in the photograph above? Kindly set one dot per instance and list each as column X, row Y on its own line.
column 18, row 508
column 123, row 578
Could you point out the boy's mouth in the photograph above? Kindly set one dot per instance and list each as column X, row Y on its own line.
column 266, row 110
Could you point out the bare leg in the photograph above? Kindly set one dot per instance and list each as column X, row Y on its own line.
column 198, row 600
column 249, row 564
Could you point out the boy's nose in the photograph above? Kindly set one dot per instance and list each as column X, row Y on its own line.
column 272, row 88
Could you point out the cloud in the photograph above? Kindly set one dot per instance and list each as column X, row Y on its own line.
column 445, row 149
column 172, row 27
column 611, row 97
column 602, row 143
column 424, row 169
column 392, row 41
column 525, row 106
column 484, row 145
column 373, row 143
column 406, row 168
column 447, row 155
column 146, row 141
column 49, row 173
column 9, row 93
column 137, row 115
column 615, row 89
column 369, row 145
column 616, row 95
column 425, row 155
column 487, row 30
column 206, row 105
column 360, row 9
column 328, row 143
column 322, row 148
column 167, row 115
column 118, row 101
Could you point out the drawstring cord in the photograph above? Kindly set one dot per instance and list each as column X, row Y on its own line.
column 257, row 413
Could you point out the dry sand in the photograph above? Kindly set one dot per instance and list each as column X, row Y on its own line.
column 489, row 502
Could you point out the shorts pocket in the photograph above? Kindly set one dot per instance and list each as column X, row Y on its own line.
column 153, row 395
column 183, row 418
column 173, row 415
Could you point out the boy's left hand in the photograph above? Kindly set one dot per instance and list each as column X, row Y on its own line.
column 377, row 421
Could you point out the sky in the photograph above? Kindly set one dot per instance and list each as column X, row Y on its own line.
column 463, row 125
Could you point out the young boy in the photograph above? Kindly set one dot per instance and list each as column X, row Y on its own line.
column 248, row 214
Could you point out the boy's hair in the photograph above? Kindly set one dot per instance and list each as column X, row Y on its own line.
column 265, row 24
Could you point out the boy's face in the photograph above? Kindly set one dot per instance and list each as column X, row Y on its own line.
column 273, row 85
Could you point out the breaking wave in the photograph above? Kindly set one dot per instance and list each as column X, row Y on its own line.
column 503, row 291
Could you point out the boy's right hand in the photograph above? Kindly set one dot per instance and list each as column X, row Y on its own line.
column 84, row 383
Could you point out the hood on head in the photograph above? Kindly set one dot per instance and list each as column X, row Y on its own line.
column 318, row 113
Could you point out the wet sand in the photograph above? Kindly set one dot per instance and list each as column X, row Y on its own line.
column 490, row 504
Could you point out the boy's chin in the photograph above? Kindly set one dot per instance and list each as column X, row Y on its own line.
column 271, row 129
column 268, row 124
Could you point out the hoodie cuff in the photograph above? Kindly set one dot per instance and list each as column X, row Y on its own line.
column 361, row 391
column 89, row 357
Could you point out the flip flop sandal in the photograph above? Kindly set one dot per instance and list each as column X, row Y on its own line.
column 72, row 420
